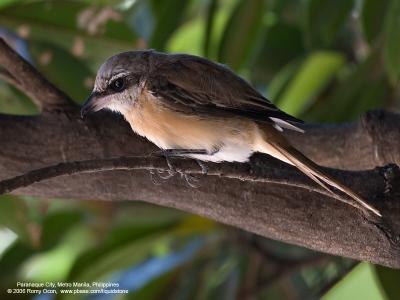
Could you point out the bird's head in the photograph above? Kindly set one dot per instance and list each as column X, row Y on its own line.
column 119, row 82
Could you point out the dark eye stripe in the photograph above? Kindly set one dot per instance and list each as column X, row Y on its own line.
column 118, row 84
column 115, row 86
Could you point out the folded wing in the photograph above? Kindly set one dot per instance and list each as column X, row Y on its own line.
column 194, row 85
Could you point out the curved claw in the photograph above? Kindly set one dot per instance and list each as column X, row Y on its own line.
column 168, row 176
column 153, row 178
column 190, row 180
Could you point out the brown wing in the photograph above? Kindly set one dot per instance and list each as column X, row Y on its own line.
column 193, row 84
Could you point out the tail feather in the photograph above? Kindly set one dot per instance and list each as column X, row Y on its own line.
column 312, row 170
column 275, row 144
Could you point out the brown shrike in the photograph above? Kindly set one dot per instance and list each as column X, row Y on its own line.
column 189, row 106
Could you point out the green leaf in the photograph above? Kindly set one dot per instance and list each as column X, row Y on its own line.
column 66, row 17
column 4, row 3
column 281, row 80
column 220, row 277
column 373, row 97
column 214, row 27
column 13, row 101
column 66, row 25
column 372, row 18
column 287, row 10
column 392, row 41
column 14, row 215
column 352, row 96
column 389, row 280
column 314, row 75
column 158, row 288
column 241, row 33
column 72, row 242
column 324, row 19
column 125, row 245
column 187, row 38
column 12, row 259
column 360, row 284
column 58, row 222
column 65, row 70
column 210, row 21
column 168, row 16
column 283, row 43
column 120, row 258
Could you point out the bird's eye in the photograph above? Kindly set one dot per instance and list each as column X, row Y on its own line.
column 118, row 84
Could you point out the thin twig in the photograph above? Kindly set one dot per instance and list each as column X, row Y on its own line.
column 182, row 166
column 26, row 78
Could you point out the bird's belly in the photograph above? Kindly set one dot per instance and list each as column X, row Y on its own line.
column 229, row 152
column 222, row 143
column 223, row 139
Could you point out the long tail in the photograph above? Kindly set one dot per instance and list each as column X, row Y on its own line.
column 282, row 150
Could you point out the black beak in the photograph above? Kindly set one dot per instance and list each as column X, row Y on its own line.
column 90, row 105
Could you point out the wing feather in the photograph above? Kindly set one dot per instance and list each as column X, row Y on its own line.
column 193, row 84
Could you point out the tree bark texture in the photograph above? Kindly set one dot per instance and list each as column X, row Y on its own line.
column 265, row 196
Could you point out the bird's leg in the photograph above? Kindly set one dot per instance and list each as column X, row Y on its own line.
column 183, row 152
column 171, row 168
column 204, row 169
column 190, row 179
column 168, row 153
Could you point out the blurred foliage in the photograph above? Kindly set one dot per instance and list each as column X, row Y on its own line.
column 319, row 60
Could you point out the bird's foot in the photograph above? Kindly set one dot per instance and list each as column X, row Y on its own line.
column 154, row 177
column 171, row 169
column 190, row 180
column 165, row 175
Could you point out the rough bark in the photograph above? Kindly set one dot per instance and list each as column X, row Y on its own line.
column 26, row 78
column 265, row 196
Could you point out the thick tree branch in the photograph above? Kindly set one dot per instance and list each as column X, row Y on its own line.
column 294, row 214
column 181, row 166
column 264, row 197
column 26, row 78
column 7, row 77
